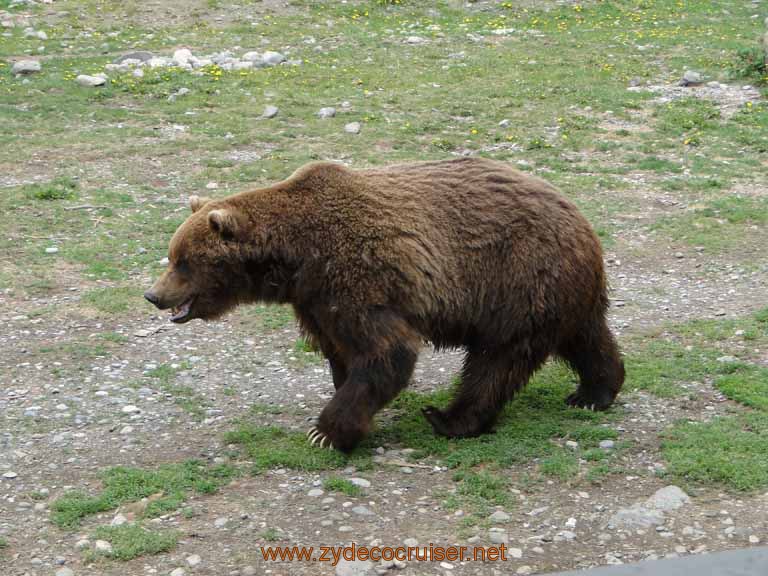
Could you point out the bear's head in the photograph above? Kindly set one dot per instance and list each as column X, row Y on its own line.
column 207, row 273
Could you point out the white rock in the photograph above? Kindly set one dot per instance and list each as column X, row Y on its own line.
column 636, row 516
column 82, row 543
column 352, row 128
column 64, row 572
column 328, row 112
column 515, row 553
column 138, row 73
column 26, row 67
column 354, row 568
column 103, row 546
column 362, row 482
column 668, row 499
column 220, row 522
column 607, row 444
column 252, row 57
column 571, row 444
column 194, row 560
column 159, row 62
column 411, row 542
column 51, row 250
column 118, row 520
column 498, row 536
column 315, row 492
column 182, row 56
column 10, row 475
column 523, row 570
column 499, row 517
column 91, row 81
column 247, row 65
column 415, row 40
column 270, row 112
column 570, row 523
column 504, row 123
column 272, row 58
column 178, row 572
column 130, row 409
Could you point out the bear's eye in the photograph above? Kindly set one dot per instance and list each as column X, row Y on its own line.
column 181, row 266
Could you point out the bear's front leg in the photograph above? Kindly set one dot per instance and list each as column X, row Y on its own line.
column 371, row 383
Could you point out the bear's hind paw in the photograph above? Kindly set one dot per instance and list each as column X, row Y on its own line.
column 318, row 438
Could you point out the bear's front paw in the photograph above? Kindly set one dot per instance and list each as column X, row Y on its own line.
column 580, row 400
column 318, row 438
column 436, row 418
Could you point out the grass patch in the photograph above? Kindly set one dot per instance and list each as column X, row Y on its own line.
column 183, row 396
column 748, row 385
column 719, row 225
column 272, row 447
column 113, row 300
column 61, row 188
column 336, row 484
column 477, row 493
column 130, row 541
column 561, row 465
column 729, row 451
column 121, row 485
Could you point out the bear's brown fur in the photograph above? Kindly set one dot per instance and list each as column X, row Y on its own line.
column 462, row 253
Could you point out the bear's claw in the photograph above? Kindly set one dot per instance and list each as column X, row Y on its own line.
column 316, row 437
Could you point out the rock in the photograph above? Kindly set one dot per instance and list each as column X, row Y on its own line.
column 571, row 444
column 515, row 553
column 362, row 511
column 411, row 542
column 668, row 499
column 505, row 123
column 636, row 516
column 220, row 522
column 194, row 560
column 328, row 112
column 248, row 571
column 607, row 444
column 91, row 81
column 10, row 475
column 24, row 67
column 570, row 523
column 524, row 570
column 352, row 128
column 315, row 493
column 754, row 539
column 138, row 73
column 354, row 568
column 415, row 40
column 182, row 57
column 82, row 544
column 566, row 535
column 178, row 572
column 51, row 250
column 118, row 520
column 130, row 409
column 141, row 56
column 499, row 517
column 270, row 112
column 361, row 482
column 272, row 58
column 691, row 78
column 498, row 536
column 252, row 57
column 727, row 359
column 64, row 572
column 103, row 546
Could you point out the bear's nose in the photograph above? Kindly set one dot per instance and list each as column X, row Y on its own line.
column 152, row 298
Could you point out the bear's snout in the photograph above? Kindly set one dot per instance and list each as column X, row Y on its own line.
column 152, row 298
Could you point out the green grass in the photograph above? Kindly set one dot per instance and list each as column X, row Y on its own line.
column 336, row 484
column 730, row 451
column 721, row 224
column 130, row 541
column 3, row 544
column 116, row 300
column 271, row 535
column 478, row 492
column 524, row 432
column 183, row 396
column 61, row 188
column 121, row 485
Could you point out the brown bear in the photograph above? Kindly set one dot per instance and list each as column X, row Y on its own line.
column 460, row 253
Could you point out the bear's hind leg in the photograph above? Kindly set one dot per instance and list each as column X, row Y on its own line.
column 594, row 354
column 488, row 380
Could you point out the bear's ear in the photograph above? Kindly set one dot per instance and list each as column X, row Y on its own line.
column 224, row 223
column 197, row 202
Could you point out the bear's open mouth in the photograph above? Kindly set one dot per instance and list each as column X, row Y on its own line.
column 182, row 312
